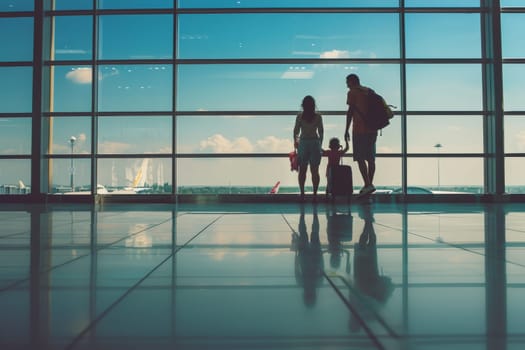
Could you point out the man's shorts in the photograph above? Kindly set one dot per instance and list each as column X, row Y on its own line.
column 364, row 146
column 309, row 152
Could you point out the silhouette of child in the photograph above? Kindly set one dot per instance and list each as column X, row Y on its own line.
column 334, row 154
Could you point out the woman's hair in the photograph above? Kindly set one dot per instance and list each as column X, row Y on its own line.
column 308, row 108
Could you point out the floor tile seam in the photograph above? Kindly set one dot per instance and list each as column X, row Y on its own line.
column 185, row 244
column 99, row 248
column 11, row 235
column 371, row 335
column 391, row 332
column 108, row 309
column 452, row 245
column 149, row 227
column 28, row 278
column 97, row 319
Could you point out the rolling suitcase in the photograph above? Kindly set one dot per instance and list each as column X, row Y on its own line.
column 341, row 182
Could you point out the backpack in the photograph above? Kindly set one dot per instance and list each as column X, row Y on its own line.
column 379, row 112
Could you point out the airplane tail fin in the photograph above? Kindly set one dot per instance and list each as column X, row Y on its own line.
column 275, row 188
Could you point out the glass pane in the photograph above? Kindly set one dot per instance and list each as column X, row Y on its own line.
column 513, row 77
column 454, row 134
column 442, row 226
column 514, row 134
column 463, row 175
column 72, row 5
column 135, row 36
column 62, row 130
column 513, row 35
column 510, row 3
column 73, row 38
column 443, row 35
column 259, row 175
column 16, row 90
column 387, row 176
column 262, row 134
column 134, row 4
column 135, row 176
column 242, row 134
column 278, row 86
column 15, row 176
column 19, row 46
column 441, row 3
column 514, row 169
column 289, row 36
column 126, row 135
column 17, row 5
column 238, row 175
column 70, row 175
column 389, row 138
column 15, row 136
column 71, row 89
column 444, row 87
column 135, row 88
column 285, row 3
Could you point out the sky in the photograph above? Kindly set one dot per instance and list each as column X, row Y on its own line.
column 248, row 89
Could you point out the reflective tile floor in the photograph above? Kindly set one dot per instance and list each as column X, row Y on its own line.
column 262, row 276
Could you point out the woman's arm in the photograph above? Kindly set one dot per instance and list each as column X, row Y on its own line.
column 296, row 130
column 320, row 129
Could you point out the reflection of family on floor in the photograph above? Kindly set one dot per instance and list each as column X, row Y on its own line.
column 368, row 288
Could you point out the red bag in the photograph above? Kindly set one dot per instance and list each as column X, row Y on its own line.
column 294, row 165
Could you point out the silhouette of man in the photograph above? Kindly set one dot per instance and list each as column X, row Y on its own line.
column 367, row 279
column 363, row 138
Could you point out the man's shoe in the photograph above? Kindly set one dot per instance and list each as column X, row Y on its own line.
column 368, row 189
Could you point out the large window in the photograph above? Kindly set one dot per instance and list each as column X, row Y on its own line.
column 513, row 52
column 167, row 97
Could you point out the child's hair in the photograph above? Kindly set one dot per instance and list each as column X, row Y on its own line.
column 334, row 143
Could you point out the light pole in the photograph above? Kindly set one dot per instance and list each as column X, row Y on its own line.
column 438, row 146
column 72, row 141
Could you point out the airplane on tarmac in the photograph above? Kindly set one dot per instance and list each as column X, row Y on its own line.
column 135, row 187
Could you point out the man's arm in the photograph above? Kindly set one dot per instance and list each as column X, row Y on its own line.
column 348, row 122
column 346, row 147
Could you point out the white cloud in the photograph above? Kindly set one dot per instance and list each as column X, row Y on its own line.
column 80, row 75
column 219, row 144
column 81, row 137
column 270, row 144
